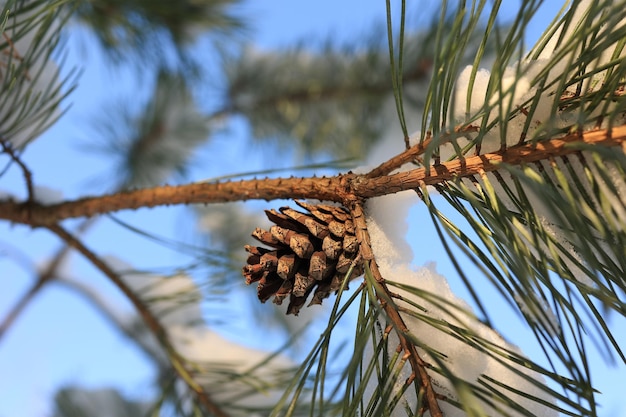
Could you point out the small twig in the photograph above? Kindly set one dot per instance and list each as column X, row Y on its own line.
column 28, row 176
column 388, row 305
column 96, row 300
column 44, row 277
column 413, row 152
column 397, row 161
column 178, row 362
column 13, row 53
column 21, row 304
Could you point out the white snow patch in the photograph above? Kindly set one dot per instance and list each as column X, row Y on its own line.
column 515, row 88
column 387, row 227
column 176, row 301
column 388, row 230
column 47, row 195
column 540, row 312
column 490, row 97
column 463, row 360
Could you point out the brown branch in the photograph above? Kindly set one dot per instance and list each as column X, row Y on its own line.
column 518, row 155
column 44, row 278
column 385, row 298
column 28, row 176
column 325, row 188
column 267, row 189
column 397, row 161
column 412, row 153
column 178, row 363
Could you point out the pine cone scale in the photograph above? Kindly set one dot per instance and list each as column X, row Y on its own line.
column 314, row 227
column 265, row 237
column 331, row 247
column 318, row 267
column 286, row 266
column 302, row 246
column 350, row 243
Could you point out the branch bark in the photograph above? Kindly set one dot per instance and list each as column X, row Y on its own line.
column 325, row 188
column 385, row 299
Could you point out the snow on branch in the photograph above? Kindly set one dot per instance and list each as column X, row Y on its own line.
column 460, row 350
column 572, row 80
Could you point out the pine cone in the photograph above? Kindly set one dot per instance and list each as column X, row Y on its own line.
column 309, row 251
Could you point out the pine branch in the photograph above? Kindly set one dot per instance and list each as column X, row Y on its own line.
column 306, row 94
column 269, row 189
column 157, row 140
column 153, row 323
column 397, row 161
column 386, row 302
column 30, row 81
column 337, row 188
column 150, row 33
column 460, row 168
column 336, row 100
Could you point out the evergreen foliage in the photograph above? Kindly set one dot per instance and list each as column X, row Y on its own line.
column 526, row 146
column 156, row 33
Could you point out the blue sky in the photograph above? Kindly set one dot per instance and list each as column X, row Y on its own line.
column 59, row 339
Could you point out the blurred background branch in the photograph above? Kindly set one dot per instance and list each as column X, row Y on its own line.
column 185, row 92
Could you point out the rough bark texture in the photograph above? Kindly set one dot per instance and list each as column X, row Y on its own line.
column 340, row 188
